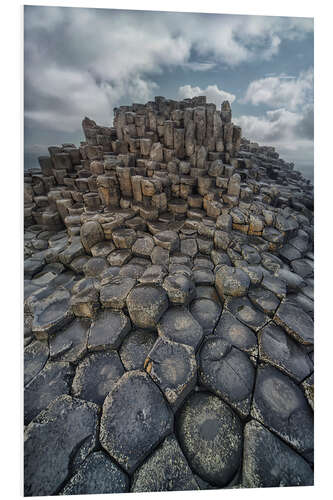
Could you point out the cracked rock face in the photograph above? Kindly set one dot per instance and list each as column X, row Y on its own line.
column 168, row 308
column 129, row 433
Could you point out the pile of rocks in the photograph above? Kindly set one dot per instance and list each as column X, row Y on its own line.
column 168, row 307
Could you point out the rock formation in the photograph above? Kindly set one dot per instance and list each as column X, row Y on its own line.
column 168, row 308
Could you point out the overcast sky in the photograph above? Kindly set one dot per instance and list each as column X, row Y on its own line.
column 85, row 62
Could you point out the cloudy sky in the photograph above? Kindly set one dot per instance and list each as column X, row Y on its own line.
column 85, row 62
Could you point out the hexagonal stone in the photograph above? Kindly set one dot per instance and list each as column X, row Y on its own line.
column 189, row 247
column 146, row 304
column 180, row 288
column 255, row 273
column 251, row 255
column 294, row 281
column 231, row 281
column 97, row 475
column 279, row 404
column 96, row 375
column 119, row 257
column 123, row 238
column 271, row 262
column 153, row 275
column 136, row 347
column 85, row 299
column 210, row 435
column 308, row 386
column 108, row 330
column 302, row 267
column 114, row 294
column 51, row 440
column 237, row 334
column 207, row 313
column 295, row 321
column 280, row 350
column 275, row 285
column 260, row 465
column 78, row 264
column 35, row 356
column 167, row 239
column 102, row 249
column 177, row 268
column 264, row 300
column 52, row 381
column 52, row 313
column 131, row 270
column 143, row 247
column 165, row 470
column 173, row 368
column 160, row 255
column 95, row 266
column 135, row 419
column 243, row 310
column 227, row 372
column 71, row 343
column 203, row 277
column 179, row 325
column 110, row 273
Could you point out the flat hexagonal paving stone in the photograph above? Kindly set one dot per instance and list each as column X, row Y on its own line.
column 52, row 381
column 108, row 330
column 136, row 347
column 207, row 313
column 102, row 248
column 95, row 266
column 203, row 276
column 130, row 270
column 173, row 368
column 165, row 470
column 228, row 372
column 96, row 375
column 279, row 404
column 264, row 300
column 231, row 281
column 210, row 435
column 119, row 257
column 146, row 304
column 168, row 240
column 179, row 325
column 97, row 475
column 237, row 334
column 243, row 310
column 135, row 419
column 35, row 356
column 52, row 439
column 280, row 350
column 302, row 267
column 153, row 275
column 70, row 344
column 295, row 321
column 180, row 288
column 52, row 314
column 143, row 247
column 114, row 294
column 275, row 285
column 269, row 462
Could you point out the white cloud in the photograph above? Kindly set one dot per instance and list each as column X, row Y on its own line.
column 212, row 92
column 281, row 91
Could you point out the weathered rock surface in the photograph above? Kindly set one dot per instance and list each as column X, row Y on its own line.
column 130, row 432
column 179, row 325
column 146, row 304
column 108, row 330
column 135, row 348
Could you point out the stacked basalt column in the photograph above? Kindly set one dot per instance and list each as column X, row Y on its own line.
column 162, row 157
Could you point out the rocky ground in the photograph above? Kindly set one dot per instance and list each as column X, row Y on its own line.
column 176, row 354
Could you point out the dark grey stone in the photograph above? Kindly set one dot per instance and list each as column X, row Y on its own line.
column 237, row 334
column 52, row 381
column 51, row 440
column 52, row 313
column 279, row 349
column 165, row 470
column 203, row 276
column 243, row 310
column 97, row 475
column 108, row 330
column 173, row 367
column 35, row 356
column 135, row 419
column 70, row 344
column 95, row 267
column 227, row 372
column 207, row 313
column 279, row 404
column 210, row 435
column 179, row 325
column 146, row 304
column 231, row 281
column 264, row 300
column 269, row 462
column 96, row 376
column 295, row 321
column 115, row 293
column 135, row 348
column 180, row 289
